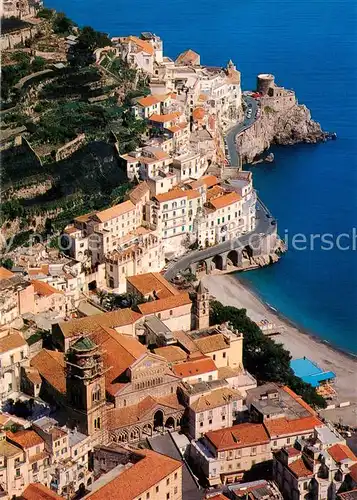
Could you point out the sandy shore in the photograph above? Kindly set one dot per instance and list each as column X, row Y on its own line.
column 230, row 291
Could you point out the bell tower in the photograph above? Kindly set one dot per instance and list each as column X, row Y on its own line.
column 201, row 307
column 85, row 384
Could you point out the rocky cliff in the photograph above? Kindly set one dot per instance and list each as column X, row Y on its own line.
column 286, row 127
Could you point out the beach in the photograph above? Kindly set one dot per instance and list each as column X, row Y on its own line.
column 230, row 291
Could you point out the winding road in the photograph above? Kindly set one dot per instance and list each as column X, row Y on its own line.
column 239, row 128
column 265, row 224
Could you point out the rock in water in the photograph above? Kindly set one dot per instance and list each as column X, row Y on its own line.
column 285, row 127
column 269, row 158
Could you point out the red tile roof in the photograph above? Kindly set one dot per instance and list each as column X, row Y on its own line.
column 119, row 352
column 113, row 319
column 149, row 283
column 147, row 101
column 5, row 274
column 170, row 195
column 340, row 452
column 44, row 289
column 238, row 436
column 194, row 367
column 142, row 45
column 198, row 114
column 172, row 302
column 299, row 469
column 51, row 366
column 188, row 57
column 172, row 353
column 25, row 439
column 37, row 491
column 165, row 118
column 206, row 180
column 115, row 211
column 137, row 479
column 12, row 341
column 283, row 427
column 224, row 200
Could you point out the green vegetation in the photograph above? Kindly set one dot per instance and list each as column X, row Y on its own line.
column 7, row 263
column 111, row 301
column 39, row 335
column 267, row 360
column 268, row 110
column 81, row 54
column 80, row 98
column 12, row 73
column 61, row 24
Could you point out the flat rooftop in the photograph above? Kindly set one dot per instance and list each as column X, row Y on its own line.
column 270, row 399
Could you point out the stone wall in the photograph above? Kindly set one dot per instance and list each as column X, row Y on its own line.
column 70, row 147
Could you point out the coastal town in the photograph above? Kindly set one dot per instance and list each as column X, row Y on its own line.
column 127, row 370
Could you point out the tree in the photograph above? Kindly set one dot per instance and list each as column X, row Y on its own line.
column 62, row 24
column 48, row 227
column 38, row 63
column 21, row 409
column 7, row 263
column 45, row 13
column 81, row 54
column 267, row 360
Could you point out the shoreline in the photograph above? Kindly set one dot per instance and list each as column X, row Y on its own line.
column 286, row 320
column 231, row 291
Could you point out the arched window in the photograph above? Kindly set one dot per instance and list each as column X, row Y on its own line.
column 96, row 392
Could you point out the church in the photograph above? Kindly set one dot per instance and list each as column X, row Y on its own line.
column 114, row 388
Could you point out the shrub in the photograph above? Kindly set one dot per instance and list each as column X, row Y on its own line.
column 266, row 359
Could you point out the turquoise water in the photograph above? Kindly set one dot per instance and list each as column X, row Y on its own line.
column 311, row 46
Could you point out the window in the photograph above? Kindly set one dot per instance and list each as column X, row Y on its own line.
column 183, row 228
column 305, row 485
column 157, row 489
column 210, row 421
column 148, row 494
column 175, row 476
column 254, row 451
column 22, row 354
column 175, row 490
column 17, row 472
column 171, row 312
column 167, row 481
column 223, row 417
column 167, row 496
column 12, row 359
column 288, row 440
column 214, row 357
column 224, row 354
column 275, row 443
column 201, row 424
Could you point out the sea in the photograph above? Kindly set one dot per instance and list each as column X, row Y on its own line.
column 310, row 46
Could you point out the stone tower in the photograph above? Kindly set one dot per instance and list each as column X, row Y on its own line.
column 85, row 385
column 202, row 307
